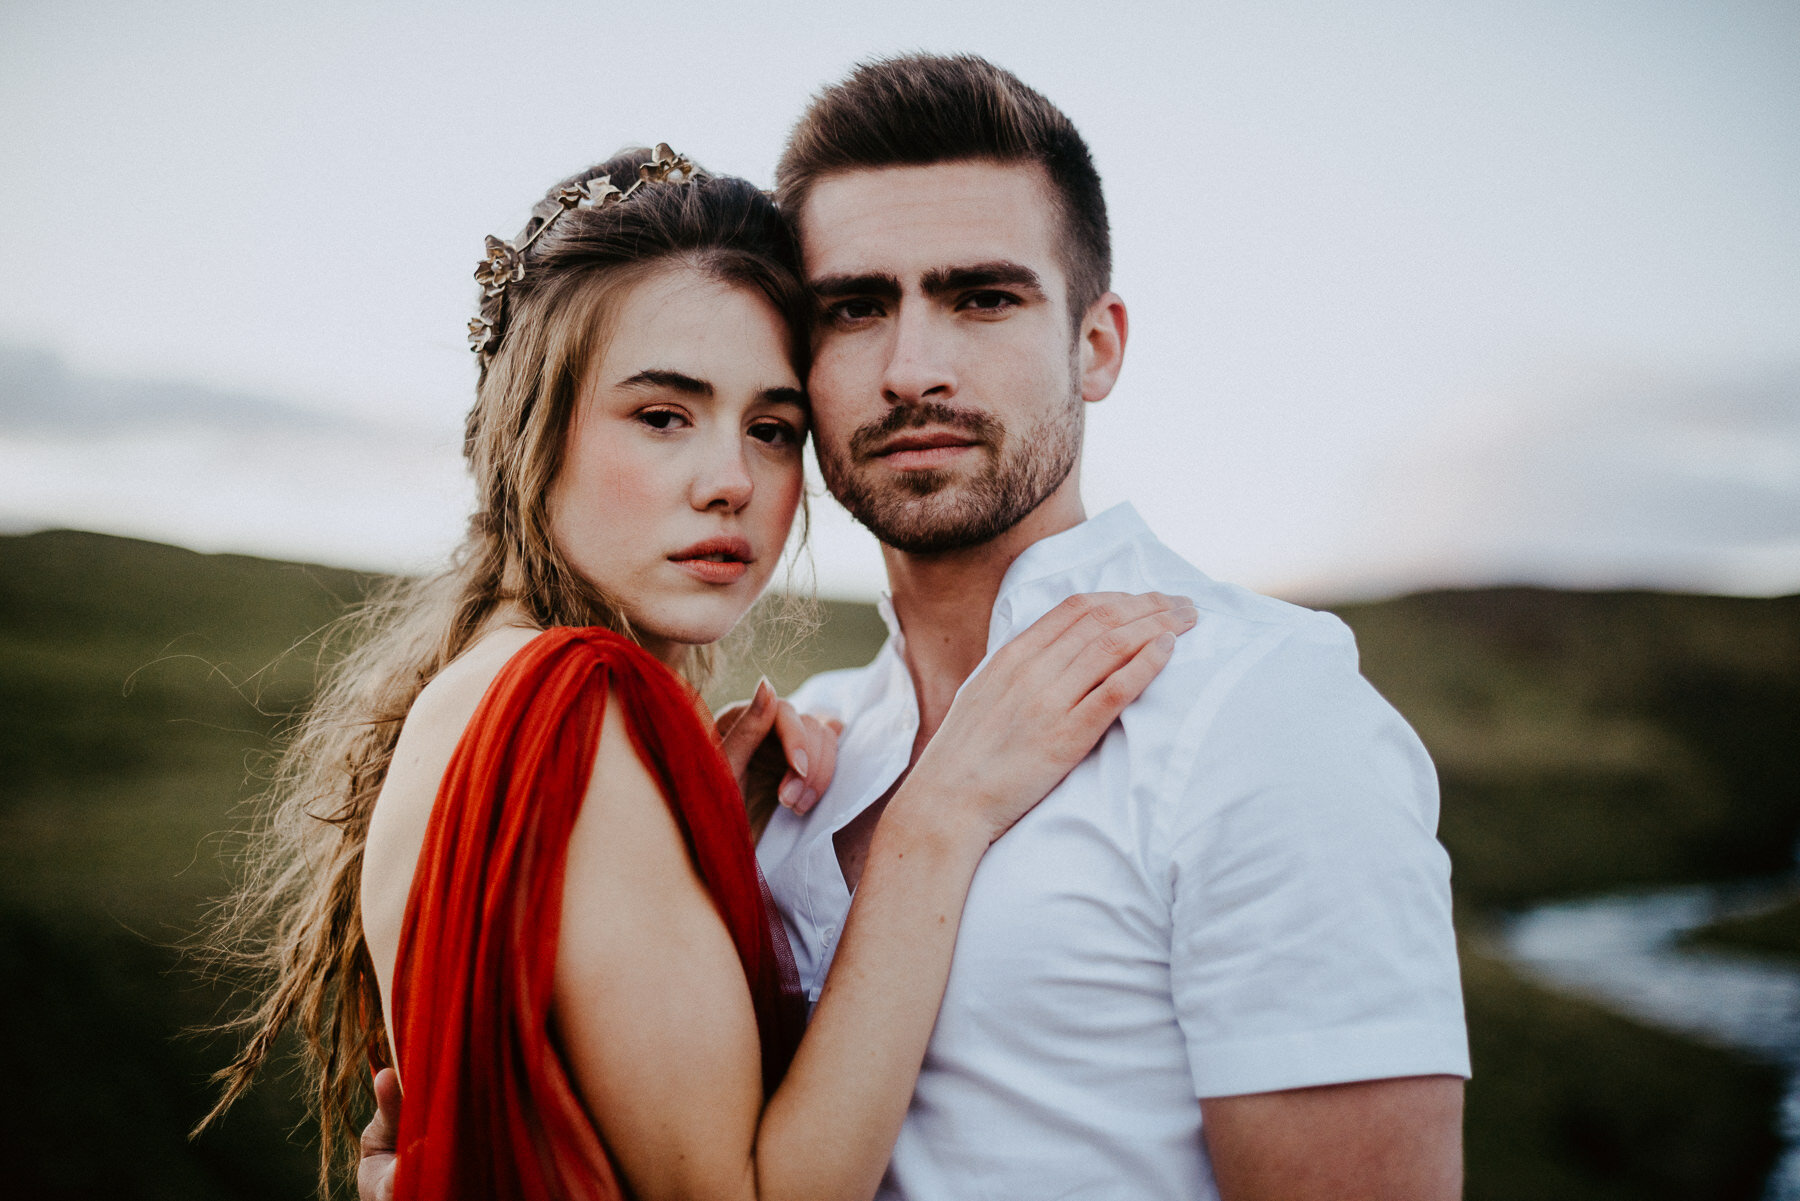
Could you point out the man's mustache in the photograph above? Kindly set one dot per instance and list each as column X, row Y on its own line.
column 980, row 427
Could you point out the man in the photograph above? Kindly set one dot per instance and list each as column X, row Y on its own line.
column 1233, row 916
column 1217, row 960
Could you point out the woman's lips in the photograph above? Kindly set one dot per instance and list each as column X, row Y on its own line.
column 714, row 571
column 715, row 560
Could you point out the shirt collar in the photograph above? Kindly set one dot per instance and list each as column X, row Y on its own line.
column 1058, row 556
column 884, row 605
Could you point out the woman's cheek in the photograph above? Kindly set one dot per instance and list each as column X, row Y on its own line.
column 790, row 481
column 629, row 485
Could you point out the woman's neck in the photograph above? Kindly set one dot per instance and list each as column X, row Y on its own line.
column 507, row 615
column 510, row 615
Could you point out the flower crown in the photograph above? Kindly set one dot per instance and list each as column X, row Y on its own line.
column 504, row 262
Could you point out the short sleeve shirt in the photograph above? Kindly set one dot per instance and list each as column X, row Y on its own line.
column 1240, row 890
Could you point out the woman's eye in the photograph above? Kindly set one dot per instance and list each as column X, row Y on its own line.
column 775, row 433
column 662, row 419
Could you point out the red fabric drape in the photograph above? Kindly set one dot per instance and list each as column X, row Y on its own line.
column 491, row 1111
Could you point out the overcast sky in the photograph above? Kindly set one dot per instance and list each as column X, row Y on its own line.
column 1420, row 293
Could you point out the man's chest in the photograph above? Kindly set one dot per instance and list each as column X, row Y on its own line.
column 851, row 843
column 1066, row 928
column 1069, row 900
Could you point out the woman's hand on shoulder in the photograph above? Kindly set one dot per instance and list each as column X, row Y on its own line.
column 772, row 746
column 1043, row 702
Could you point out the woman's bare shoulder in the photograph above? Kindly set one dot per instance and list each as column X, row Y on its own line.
column 440, row 714
column 433, row 727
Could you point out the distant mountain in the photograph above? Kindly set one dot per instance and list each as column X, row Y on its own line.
column 41, row 395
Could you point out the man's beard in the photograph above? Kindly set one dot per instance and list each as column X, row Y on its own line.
column 929, row 512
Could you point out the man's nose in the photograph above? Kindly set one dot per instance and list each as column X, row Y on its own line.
column 919, row 359
column 723, row 480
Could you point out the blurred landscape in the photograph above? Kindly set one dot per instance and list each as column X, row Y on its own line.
column 1587, row 743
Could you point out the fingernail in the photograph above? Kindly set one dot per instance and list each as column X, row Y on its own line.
column 797, row 757
column 789, row 794
column 808, row 799
column 1165, row 641
column 765, row 691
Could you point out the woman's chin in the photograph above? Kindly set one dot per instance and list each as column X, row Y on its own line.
column 681, row 626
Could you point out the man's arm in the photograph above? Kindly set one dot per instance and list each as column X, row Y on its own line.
column 1313, row 942
column 1375, row 1140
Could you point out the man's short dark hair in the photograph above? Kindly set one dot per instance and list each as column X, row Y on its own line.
column 919, row 109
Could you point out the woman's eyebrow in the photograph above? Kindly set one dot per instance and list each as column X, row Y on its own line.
column 787, row 396
column 662, row 379
column 672, row 381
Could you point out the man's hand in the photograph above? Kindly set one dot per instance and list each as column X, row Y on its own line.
column 375, row 1174
column 776, row 753
column 1376, row 1140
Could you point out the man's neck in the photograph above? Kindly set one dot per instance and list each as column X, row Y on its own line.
column 944, row 601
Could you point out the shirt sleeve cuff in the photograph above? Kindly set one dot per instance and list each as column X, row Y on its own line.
column 1336, row 1056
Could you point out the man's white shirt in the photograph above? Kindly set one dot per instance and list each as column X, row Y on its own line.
column 1240, row 890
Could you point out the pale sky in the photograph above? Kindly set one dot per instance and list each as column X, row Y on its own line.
column 1420, row 294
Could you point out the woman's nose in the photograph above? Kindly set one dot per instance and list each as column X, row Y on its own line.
column 724, row 481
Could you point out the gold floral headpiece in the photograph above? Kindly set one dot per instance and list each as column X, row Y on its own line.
column 504, row 262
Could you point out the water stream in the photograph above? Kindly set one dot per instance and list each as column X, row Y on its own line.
column 1623, row 951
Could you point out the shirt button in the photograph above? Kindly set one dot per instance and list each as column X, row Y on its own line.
column 829, row 934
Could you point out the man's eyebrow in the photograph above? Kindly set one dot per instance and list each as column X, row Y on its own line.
column 873, row 283
column 998, row 273
column 673, row 381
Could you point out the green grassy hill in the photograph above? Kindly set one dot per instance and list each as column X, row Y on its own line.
column 1586, row 741
column 134, row 699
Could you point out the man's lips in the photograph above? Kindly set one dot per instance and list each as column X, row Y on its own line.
column 716, row 560
column 923, row 448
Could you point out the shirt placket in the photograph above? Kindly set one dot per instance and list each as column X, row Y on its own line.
column 895, row 726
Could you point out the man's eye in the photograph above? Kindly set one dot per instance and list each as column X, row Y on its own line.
column 990, row 302
column 853, row 310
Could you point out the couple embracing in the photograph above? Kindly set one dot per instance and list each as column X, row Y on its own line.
column 1102, row 880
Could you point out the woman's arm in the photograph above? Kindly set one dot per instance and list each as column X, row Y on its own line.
column 650, row 999
column 652, row 1005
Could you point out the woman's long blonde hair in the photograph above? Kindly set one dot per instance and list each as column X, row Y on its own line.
column 293, row 926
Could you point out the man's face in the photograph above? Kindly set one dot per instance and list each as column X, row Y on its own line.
column 944, row 386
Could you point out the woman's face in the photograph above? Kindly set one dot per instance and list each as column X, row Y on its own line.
column 682, row 469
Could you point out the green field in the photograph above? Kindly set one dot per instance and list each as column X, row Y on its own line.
column 1586, row 741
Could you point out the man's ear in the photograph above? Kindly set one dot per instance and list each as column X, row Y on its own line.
column 1101, row 346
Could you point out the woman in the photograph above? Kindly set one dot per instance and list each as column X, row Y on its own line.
column 535, row 861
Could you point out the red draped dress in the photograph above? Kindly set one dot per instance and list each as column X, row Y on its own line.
column 491, row 1109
